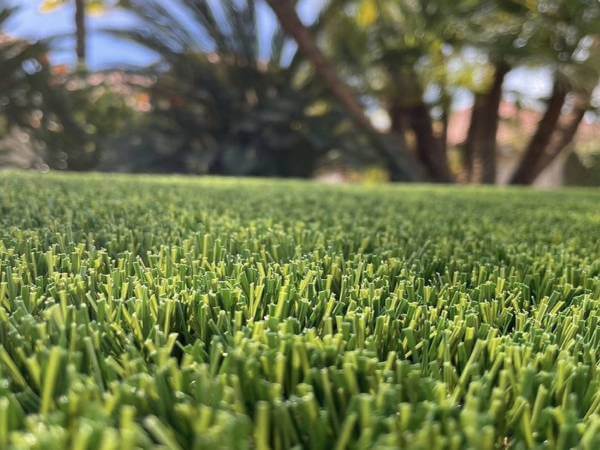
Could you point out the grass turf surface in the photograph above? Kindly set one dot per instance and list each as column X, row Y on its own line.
column 140, row 312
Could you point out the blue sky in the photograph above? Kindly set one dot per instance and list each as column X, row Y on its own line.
column 105, row 51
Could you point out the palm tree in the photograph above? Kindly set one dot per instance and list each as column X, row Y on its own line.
column 226, row 107
column 82, row 8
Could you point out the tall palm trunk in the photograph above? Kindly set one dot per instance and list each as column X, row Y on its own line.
column 480, row 148
column 527, row 170
column 399, row 162
column 80, row 32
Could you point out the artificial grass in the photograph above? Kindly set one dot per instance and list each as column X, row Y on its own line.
column 182, row 313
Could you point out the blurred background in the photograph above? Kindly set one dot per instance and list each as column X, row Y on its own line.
column 451, row 91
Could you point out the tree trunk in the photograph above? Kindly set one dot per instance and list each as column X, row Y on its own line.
column 398, row 120
column 473, row 136
column 562, row 137
column 328, row 12
column 446, row 111
column 409, row 112
column 429, row 148
column 80, row 31
column 480, row 148
column 527, row 172
column 400, row 163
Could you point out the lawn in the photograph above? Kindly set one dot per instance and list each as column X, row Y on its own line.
column 200, row 313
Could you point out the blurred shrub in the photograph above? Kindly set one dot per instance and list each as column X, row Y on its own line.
column 583, row 169
column 93, row 109
column 222, row 108
column 48, row 116
column 24, row 88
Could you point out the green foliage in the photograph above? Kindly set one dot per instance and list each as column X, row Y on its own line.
column 399, row 48
column 223, row 313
